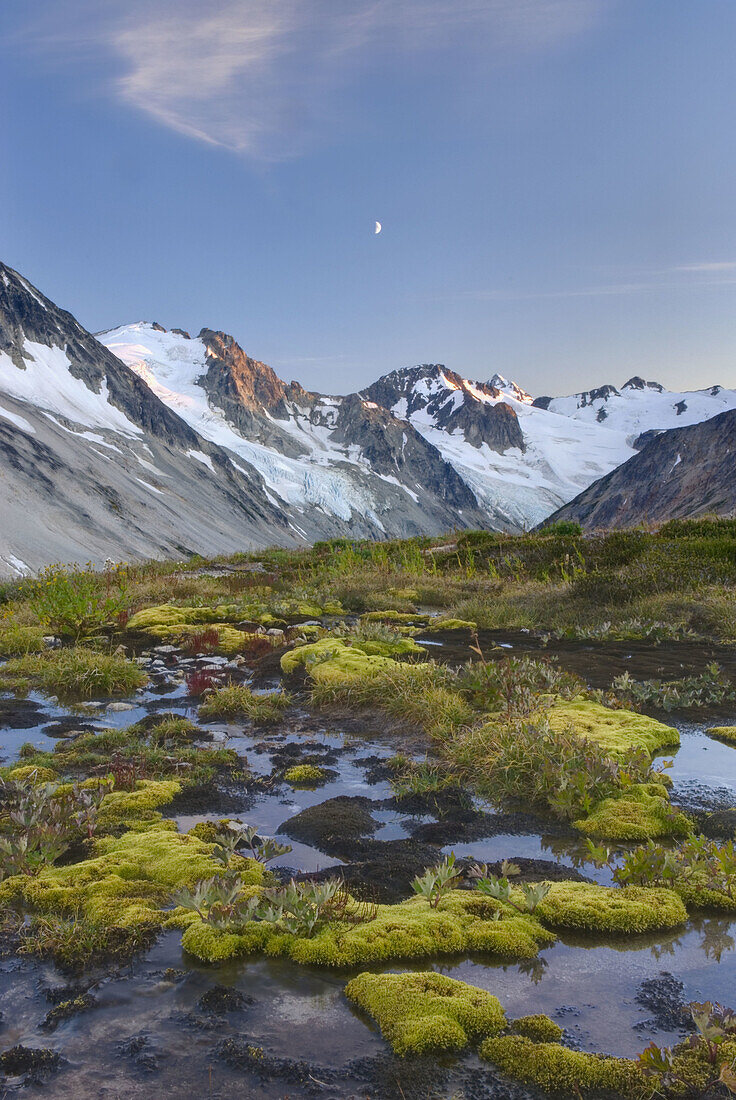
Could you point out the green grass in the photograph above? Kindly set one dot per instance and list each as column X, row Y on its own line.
column 237, row 700
column 72, row 673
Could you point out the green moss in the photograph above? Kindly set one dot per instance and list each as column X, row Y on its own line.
column 230, row 640
column 641, row 812
column 539, row 1028
column 584, row 907
column 166, row 615
column 127, row 881
column 234, row 700
column 330, row 660
column 33, row 773
column 618, row 732
column 723, row 733
column 435, row 625
column 423, row 1012
column 702, row 897
column 210, row 831
column 305, row 775
column 140, row 803
column 409, row 930
column 559, row 1070
column 395, row 617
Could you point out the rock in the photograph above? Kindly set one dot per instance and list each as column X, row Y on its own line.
column 51, row 641
column 119, row 707
column 20, row 1059
column 166, row 649
column 274, row 632
column 221, row 999
column 722, row 823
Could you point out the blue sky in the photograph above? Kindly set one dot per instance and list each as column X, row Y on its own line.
column 556, row 180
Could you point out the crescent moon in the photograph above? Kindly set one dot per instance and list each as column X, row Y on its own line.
column 377, row 230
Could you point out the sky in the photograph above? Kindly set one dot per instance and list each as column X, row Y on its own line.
column 556, row 180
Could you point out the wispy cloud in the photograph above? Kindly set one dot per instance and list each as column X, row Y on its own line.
column 659, row 281
column 718, row 265
column 262, row 76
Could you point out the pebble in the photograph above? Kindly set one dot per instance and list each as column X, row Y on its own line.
column 120, row 706
column 165, row 649
column 274, row 632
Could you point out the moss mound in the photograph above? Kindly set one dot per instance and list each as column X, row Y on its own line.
column 618, row 732
column 589, row 908
column 643, row 812
column 435, row 625
column 140, row 803
column 423, row 1012
column 331, row 661
column 538, row 1027
column 127, row 881
column 559, row 1070
column 305, row 775
column 723, row 733
column 33, row 774
column 409, row 930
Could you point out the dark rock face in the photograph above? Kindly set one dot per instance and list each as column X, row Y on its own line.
column 683, row 472
column 453, row 404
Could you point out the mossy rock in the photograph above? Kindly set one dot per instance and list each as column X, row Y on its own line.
column 425, row 1012
column 641, row 812
column 404, row 617
column 230, row 640
column 585, row 907
column 538, row 1027
column 618, row 732
column 556, row 1069
column 723, row 733
column 32, row 774
column 436, row 625
column 410, row 930
column 701, row 898
column 128, row 880
column 305, row 775
column 167, row 615
column 330, row 661
column 148, row 795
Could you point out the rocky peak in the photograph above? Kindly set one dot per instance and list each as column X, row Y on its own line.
column 450, row 402
column 234, row 375
column 498, row 382
column 637, row 383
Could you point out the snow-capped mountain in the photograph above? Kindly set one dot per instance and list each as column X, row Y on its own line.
column 345, row 458
column 639, row 407
column 521, row 461
column 146, row 442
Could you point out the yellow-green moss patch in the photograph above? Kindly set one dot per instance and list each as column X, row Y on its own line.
column 585, row 907
column 538, row 1027
column 140, row 803
column 618, row 732
column 723, row 733
column 409, row 930
column 559, row 1070
column 435, row 625
column 33, row 774
column 423, row 1012
column 641, row 812
column 305, row 775
column 127, row 881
